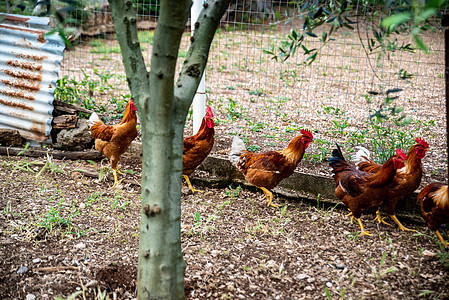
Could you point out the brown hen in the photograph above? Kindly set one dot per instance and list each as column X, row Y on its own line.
column 265, row 170
column 406, row 181
column 362, row 191
column 435, row 207
column 197, row 147
column 113, row 140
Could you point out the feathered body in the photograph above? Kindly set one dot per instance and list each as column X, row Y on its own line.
column 362, row 191
column 265, row 170
column 113, row 140
column 407, row 179
column 197, row 147
column 434, row 203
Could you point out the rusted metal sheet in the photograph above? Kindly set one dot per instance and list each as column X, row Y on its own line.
column 29, row 66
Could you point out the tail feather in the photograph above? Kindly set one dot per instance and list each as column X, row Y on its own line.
column 94, row 118
column 238, row 147
column 362, row 155
column 337, row 156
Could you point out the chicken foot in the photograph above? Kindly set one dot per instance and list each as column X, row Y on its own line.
column 380, row 219
column 441, row 238
column 269, row 196
column 362, row 230
column 190, row 185
column 402, row 227
column 116, row 182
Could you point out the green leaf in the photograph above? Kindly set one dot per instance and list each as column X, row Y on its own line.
column 407, row 121
column 312, row 57
column 395, row 20
column 311, row 34
column 419, row 43
column 425, row 15
column 348, row 26
column 324, row 37
column 393, row 90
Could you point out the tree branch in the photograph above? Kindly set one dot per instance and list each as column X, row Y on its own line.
column 124, row 18
column 198, row 54
column 167, row 39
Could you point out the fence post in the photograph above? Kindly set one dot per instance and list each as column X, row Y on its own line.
column 199, row 101
column 445, row 23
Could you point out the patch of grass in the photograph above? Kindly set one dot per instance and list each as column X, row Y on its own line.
column 50, row 166
column 233, row 193
column 54, row 219
column 254, row 148
column 146, row 36
column 231, row 111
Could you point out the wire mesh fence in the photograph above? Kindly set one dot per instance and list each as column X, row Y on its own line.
column 267, row 101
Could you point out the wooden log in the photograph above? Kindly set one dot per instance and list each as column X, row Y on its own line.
column 10, row 137
column 57, row 103
column 59, row 154
column 56, row 269
column 61, row 110
column 110, row 177
column 64, row 122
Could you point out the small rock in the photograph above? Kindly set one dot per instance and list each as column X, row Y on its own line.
column 22, row 270
column 50, row 257
column 340, row 266
column 80, row 246
column 308, row 288
column 92, row 283
column 428, row 253
column 76, row 175
column 30, row 297
column 82, row 205
column 271, row 263
column 76, row 138
column 329, row 284
column 301, row 276
column 311, row 279
column 346, row 232
column 36, row 260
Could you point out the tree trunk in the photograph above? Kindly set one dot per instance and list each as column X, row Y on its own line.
column 162, row 114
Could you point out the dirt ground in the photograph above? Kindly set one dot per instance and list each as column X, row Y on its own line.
column 64, row 234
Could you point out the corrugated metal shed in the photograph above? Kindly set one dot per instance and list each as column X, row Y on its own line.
column 29, row 66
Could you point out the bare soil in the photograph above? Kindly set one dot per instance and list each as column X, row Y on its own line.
column 63, row 234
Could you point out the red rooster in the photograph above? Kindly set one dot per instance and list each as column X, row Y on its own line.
column 265, row 170
column 359, row 190
column 113, row 140
column 435, row 207
column 197, row 147
column 406, row 181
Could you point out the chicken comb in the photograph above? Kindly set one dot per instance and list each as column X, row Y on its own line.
column 209, row 112
column 422, row 142
column 400, row 154
column 307, row 133
column 131, row 104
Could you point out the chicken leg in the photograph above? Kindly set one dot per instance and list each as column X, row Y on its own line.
column 350, row 215
column 190, row 185
column 441, row 238
column 269, row 196
column 380, row 219
column 116, row 182
column 402, row 227
column 362, row 230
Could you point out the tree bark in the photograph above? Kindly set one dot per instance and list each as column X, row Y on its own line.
column 163, row 108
